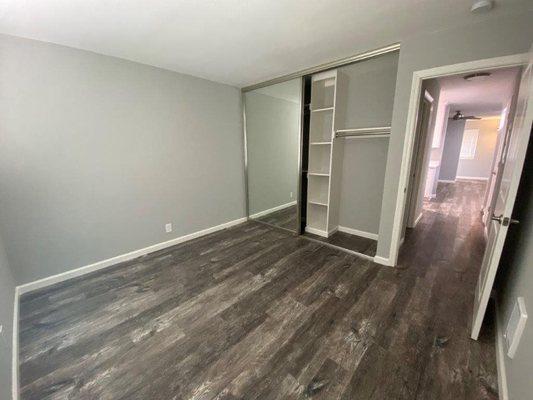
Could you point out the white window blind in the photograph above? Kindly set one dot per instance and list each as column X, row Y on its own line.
column 468, row 147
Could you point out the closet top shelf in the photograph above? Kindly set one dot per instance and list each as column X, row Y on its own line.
column 377, row 131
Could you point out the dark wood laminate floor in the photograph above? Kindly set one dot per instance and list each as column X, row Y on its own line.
column 255, row 313
column 351, row 242
column 284, row 218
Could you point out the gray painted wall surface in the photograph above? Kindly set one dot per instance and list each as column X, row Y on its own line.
column 369, row 102
column 480, row 165
column 98, row 153
column 492, row 36
column 7, row 293
column 273, row 132
column 516, row 274
column 451, row 150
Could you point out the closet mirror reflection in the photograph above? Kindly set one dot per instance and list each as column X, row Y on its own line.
column 273, row 140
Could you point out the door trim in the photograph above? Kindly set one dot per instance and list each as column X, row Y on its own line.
column 408, row 147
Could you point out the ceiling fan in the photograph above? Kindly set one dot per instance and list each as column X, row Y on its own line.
column 458, row 116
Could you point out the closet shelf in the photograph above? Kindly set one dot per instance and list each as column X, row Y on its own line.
column 318, row 173
column 322, row 109
column 319, row 143
column 378, row 131
column 318, row 203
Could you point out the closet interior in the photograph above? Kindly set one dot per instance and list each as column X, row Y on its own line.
column 350, row 112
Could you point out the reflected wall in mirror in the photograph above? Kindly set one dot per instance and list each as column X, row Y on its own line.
column 273, row 141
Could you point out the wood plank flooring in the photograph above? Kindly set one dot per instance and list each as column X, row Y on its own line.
column 351, row 242
column 285, row 218
column 253, row 312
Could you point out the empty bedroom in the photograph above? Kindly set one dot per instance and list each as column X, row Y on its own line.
column 266, row 200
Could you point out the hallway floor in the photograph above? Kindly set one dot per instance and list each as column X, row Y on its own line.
column 252, row 312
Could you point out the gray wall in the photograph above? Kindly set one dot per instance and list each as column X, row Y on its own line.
column 273, row 132
column 451, row 150
column 7, row 293
column 98, row 153
column 515, row 279
column 369, row 102
column 480, row 165
column 489, row 37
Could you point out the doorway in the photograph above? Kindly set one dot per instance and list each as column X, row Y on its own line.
column 455, row 182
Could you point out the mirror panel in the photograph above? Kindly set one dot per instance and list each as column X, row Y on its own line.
column 273, row 141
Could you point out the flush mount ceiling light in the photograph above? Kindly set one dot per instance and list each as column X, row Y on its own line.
column 480, row 6
column 478, row 76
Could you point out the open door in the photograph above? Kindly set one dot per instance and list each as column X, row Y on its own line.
column 513, row 156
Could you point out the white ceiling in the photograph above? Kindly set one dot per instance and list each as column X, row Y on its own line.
column 238, row 42
column 487, row 97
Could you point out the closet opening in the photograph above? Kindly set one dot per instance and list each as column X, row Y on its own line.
column 468, row 132
column 346, row 134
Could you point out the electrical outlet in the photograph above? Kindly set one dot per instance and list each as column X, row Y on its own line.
column 291, row 195
column 168, row 227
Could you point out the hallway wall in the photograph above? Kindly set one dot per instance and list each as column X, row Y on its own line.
column 451, row 150
column 480, row 165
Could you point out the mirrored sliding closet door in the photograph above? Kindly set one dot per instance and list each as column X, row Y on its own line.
column 273, row 140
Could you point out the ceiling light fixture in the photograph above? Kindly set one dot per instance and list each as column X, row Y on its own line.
column 480, row 6
column 478, row 76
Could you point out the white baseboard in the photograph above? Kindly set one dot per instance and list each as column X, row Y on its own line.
column 447, row 180
column 28, row 287
column 500, row 358
column 357, row 232
column 417, row 220
column 15, row 348
column 383, row 261
column 315, row 231
column 472, row 178
column 271, row 210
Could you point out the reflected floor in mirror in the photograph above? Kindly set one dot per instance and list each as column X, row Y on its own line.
column 351, row 242
column 285, row 218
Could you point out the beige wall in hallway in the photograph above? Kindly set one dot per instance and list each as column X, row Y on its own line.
column 479, row 166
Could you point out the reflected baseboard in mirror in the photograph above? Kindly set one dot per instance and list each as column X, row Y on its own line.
column 285, row 217
column 348, row 241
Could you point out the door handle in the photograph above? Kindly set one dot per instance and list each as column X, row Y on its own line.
column 504, row 220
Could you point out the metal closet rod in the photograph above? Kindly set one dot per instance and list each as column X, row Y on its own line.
column 363, row 132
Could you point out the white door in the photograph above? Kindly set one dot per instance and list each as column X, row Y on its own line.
column 511, row 170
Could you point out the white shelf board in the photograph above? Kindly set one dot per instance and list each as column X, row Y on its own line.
column 318, row 173
column 319, row 143
column 323, row 109
column 386, row 135
column 317, row 203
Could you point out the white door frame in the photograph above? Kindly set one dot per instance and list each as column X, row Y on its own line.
column 416, row 87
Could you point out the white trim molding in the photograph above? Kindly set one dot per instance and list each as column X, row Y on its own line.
column 15, row 348
column 447, row 180
column 357, row 232
column 383, row 261
column 503, row 390
column 472, row 178
column 273, row 209
column 315, row 231
column 410, row 128
column 28, row 287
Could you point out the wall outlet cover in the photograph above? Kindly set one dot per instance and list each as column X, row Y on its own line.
column 168, row 227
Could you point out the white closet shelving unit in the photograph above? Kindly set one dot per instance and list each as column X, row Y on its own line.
column 325, row 154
